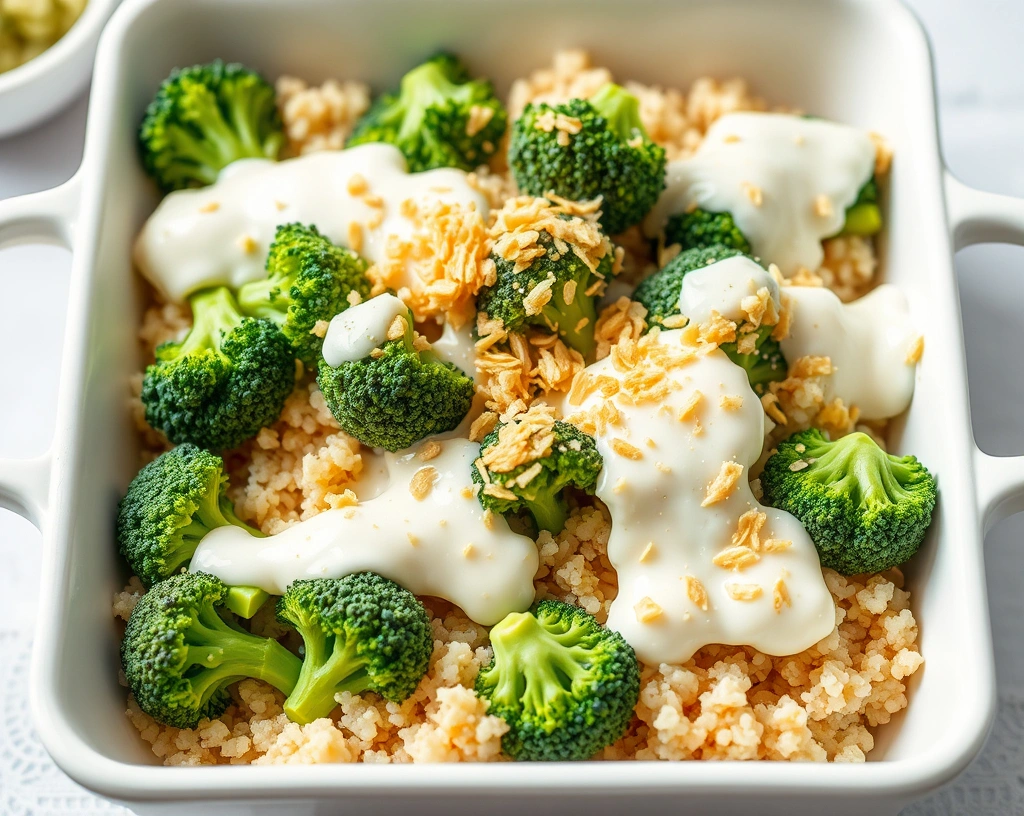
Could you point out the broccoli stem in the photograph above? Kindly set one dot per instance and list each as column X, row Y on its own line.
column 855, row 465
column 214, row 314
column 549, row 511
column 549, row 666
column 219, row 653
column 422, row 88
column 862, row 219
column 621, row 109
column 323, row 676
column 245, row 601
column 569, row 316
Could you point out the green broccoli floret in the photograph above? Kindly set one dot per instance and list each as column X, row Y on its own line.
column 439, row 117
column 397, row 398
column 170, row 505
column 227, row 379
column 700, row 228
column 611, row 156
column 866, row 510
column 362, row 633
column 864, row 217
column 573, row 322
column 573, row 460
column 308, row 280
column 179, row 654
column 659, row 294
column 205, row 117
column 565, row 685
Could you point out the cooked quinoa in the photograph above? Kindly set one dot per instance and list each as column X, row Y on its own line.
column 727, row 702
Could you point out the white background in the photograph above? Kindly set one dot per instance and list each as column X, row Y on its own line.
column 977, row 46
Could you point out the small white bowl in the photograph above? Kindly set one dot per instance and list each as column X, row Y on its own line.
column 42, row 86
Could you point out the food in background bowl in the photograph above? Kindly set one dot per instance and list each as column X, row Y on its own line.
column 29, row 27
column 534, row 408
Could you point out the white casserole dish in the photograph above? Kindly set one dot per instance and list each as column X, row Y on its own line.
column 865, row 62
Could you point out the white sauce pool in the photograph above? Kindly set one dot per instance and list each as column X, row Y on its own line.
column 661, row 534
column 358, row 330
column 438, row 546
column 721, row 287
column 770, row 170
column 866, row 340
column 219, row 235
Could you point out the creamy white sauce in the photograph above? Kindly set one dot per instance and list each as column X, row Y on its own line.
column 458, row 347
column 438, row 546
column 721, row 287
column 661, row 534
column 867, row 342
column 219, row 235
column 358, row 330
column 784, row 162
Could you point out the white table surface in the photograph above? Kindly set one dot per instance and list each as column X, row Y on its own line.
column 977, row 46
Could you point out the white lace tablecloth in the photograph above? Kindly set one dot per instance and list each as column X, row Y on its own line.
column 977, row 46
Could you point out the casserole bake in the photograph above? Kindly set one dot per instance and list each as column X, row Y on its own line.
column 76, row 700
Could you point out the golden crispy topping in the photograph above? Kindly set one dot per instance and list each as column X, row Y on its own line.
column 736, row 558
column 320, row 328
column 525, row 438
column 622, row 320
column 209, row 207
column 689, row 409
column 823, row 206
column 730, row 402
column 648, row 552
column 770, row 403
column 482, row 425
column 776, row 545
column 479, row 116
column 430, row 450
column 748, row 529
column 398, row 327
column 723, row 484
column 647, row 610
column 248, row 244
column 780, row 596
column 696, row 593
column 355, row 239
column 743, row 592
column 356, row 185
column 422, row 482
column 916, row 350
column 626, row 450
column 754, row 193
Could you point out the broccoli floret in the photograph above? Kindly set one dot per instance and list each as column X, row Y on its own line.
column 205, row 117
column 397, row 398
column 179, row 654
column 565, row 685
column 227, row 379
column 574, row 322
column 439, row 117
column 308, row 280
column 170, row 505
column 866, row 510
column 864, row 217
column 700, row 228
column 610, row 156
column 659, row 294
column 362, row 633
column 573, row 460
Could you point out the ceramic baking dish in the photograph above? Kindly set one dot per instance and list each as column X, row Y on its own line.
column 865, row 62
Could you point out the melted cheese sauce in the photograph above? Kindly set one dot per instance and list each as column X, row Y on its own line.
column 866, row 340
column 786, row 180
column 440, row 545
column 721, row 287
column 219, row 235
column 662, row 537
column 358, row 330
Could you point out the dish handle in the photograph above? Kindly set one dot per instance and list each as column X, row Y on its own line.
column 46, row 217
column 977, row 217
